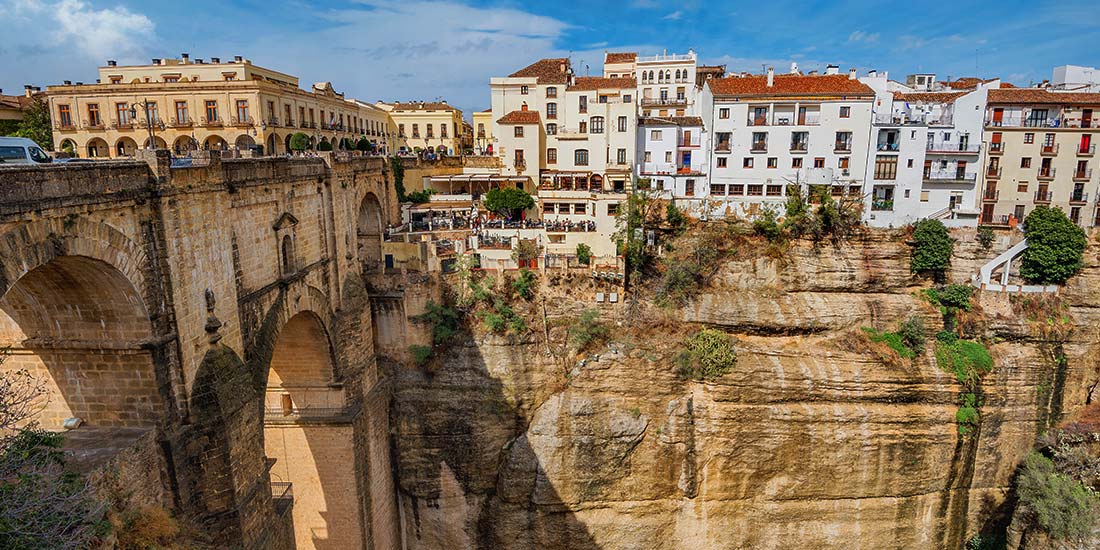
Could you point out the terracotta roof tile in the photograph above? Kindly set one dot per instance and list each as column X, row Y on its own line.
column 928, row 97
column 670, row 121
column 619, row 57
column 1034, row 95
column 15, row 101
column 790, row 85
column 600, row 83
column 520, row 117
column 547, row 71
column 423, row 106
column 965, row 83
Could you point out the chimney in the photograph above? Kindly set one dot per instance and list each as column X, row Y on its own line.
column 852, row 73
column 112, row 63
column 67, row 83
column 872, row 73
column 215, row 60
column 185, row 56
column 79, row 83
column 832, row 69
column 523, row 107
column 237, row 59
column 771, row 76
column 794, row 67
column 27, row 90
column 156, row 61
column 97, row 81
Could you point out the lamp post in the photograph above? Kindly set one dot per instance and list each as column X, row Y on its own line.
column 146, row 104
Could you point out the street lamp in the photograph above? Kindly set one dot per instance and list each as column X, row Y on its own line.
column 148, row 106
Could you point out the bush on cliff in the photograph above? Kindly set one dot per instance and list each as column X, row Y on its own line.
column 707, row 354
column 967, row 359
column 1054, row 247
column 588, row 330
column 932, row 248
column 1062, row 506
column 443, row 321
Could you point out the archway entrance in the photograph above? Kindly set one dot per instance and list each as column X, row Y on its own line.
column 125, row 147
column 97, row 148
column 78, row 325
column 214, row 142
column 244, row 141
column 308, row 431
column 271, row 148
column 369, row 231
column 184, row 144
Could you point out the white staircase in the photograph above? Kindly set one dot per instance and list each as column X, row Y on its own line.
column 984, row 278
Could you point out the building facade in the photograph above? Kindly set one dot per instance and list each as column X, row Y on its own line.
column 1041, row 151
column 423, row 125
column 672, row 160
column 186, row 104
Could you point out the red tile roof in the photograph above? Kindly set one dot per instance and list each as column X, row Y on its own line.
column 928, row 97
column 423, row 106
column 600, row 83
column 619, row 57
column 790, row 86
column 1035, row 95
column 547, row 71
column 19, row 102
column 965, row 83
column 520, row 117
column 670, row 121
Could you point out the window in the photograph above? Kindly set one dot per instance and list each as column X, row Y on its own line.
column 843, row 141
column 181, row 112
column 443, row 130
column 842, row 162
column 288, row 255
column 724, row 112
column 819, row 162
column 480, row 129
column 582, row 104
column 627, row 98
column 759, row 141
column 736, row 189
column 551, row 110
column 416, row 130
column 523, row 90
column 909, row 164
column 622, row 124
column 431, row 131
column 401, row 130
column 551, row 129
column 613, row 209
column 582, row 127
column 93, row 114
column 518, row 157
column 886, row 167
column 689, row 188
column 551, row 156
column 518, row 131
column 122, row 111
column 1029, row 137
column 552, row 91
column 723, row 141
column 924, row 196
column 1021, row 187
column 620, row 156
column 773, row 162
column 211, row 110
column 580, row 157
column 64, row 115
column 579, row 208
column 747, row 163
column 845, row 112
column 548, row 208
column 722, row 162
column 668, row 156
column 597, row 125
column 717, row 189
column 796, row 162
column 1025, row 162
column 774, row 190
column 654, row 135
column 756, row 190
column 648, row 156
column 603, row 99
column 242, row 110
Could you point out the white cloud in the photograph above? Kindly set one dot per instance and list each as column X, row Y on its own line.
column 674, row 15
column 76, row 29
column 860, row 36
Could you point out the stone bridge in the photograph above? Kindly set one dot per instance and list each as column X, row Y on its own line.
column 216, row 314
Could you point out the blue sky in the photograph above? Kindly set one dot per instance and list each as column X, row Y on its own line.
column 428, row 49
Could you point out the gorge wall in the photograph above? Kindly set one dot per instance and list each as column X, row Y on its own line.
column 812, row 438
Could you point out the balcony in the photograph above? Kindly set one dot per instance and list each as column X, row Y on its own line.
column 293, row 404
column 246, row 121
column 519, row 164
column 757, row 121
column 63, row 126
column 1082, row 175
column 993, row 172
column 1049, row 150
column 1086, row 150
column 948, row 176
column 882, row 205
column 282, row 496
column 125, row 125
column 842, row 147
column 1043, row 196
column 990, row 195
column 272, row 121
column 211, row 122
column 1046, row 173
column 664, row 102
column 1017, row 122
column 665, row 57
column 1078, row 196
column 688, row 144
column 888, row 147
column 957, row 148
column 799, row 147
column 996, row 148
column 288, row 122
column 93, row 125
column 178, row 122
column 759, row 147
column 571, row 133
column 723, row 147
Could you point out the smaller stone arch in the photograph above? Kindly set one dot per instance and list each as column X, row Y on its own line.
column 158, row 142
column 272, row 142
column 184, row 144
column 125, row 147
column 214, row 142
column 67, row 145
column 369, row 231
column 244, row 141
column 97, row 148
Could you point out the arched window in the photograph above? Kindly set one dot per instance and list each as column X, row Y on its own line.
column 580, row 157
column 596, row 125
column 288, row 255
column 660, row 76
column 651, row 76
column 668, row 75
column 643, row 76
column 677, row 75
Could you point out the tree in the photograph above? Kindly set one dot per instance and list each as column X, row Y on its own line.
column 398, row 170
column 325, row 145
column 299, row 142
column 36, row 125
column 525, row 251
column 584, row 254
column 508, row 202
column 363, row 145
column 640, row 213
column 1063, row 506
column 675, row 218
column 932, row 248
column 1054, row 247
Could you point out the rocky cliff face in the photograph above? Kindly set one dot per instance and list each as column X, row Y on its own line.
column 812, row 439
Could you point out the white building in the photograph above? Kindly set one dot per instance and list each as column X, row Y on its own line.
column 923, row 160
column 667, row 84
column 770, row 131
column 1075, row 78
column 671, row 155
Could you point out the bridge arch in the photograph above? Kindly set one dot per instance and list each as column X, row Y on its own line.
column 369, row 230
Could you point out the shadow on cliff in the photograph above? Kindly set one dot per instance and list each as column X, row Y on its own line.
column 467, row 473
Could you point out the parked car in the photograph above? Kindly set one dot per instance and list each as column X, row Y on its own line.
column 16, row 150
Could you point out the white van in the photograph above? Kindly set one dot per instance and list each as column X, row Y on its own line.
column 16, row 150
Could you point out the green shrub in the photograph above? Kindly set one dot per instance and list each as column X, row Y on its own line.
column 420, row 354
column 967, row 416
column 525, row 251
column 443, row 320
column 584, row 254
column 588, row 330
column 892, row 339
column 707, row 354
column 985, row 237
column 947, row 337
column 766, row 226
column 913, row 334
column 967, row 359
column 1054, row 247
column 299, row 142
column 1063, row 507
column 325, row 145
column 502, row 318
column 675, row 218
column 524, row 284
column 956, row 296
column 932, row 248
column 362, row 145
column 419, row 197
column 508, row 202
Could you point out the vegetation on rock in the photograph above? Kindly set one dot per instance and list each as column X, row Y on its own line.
column 398, row 170
column 707, row 354
column 584, row 254
column 588, row 330
column 985, row 237
column 1055, row 247
column 932, row 248
column 524, row 284
column 1062, row 506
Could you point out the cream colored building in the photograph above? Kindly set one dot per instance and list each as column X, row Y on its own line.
column 426, row 124
column 1041, row 151
column 483, row 131
column 195, row 104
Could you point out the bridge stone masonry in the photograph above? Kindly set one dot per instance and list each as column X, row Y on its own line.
column 215, row 316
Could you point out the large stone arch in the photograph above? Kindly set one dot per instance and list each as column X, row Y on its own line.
column 97, row 148
column 125, row 147
column 370, row 230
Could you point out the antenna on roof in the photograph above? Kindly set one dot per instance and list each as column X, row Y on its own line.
column 586, row 69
